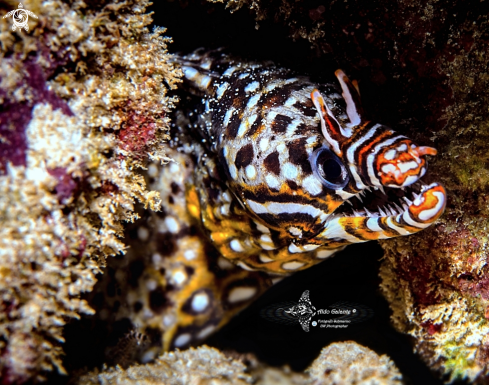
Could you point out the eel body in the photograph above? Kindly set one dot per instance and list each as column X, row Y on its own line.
column 271, row 174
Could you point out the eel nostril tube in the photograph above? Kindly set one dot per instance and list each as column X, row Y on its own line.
column 424, row 150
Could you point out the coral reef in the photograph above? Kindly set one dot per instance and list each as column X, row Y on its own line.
column 437, row 282
column 82, row 102
column 192, row 366
column 341, row 363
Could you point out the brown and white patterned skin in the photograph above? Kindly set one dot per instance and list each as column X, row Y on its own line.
column 172, row 284
column 268, row 130
column 268, row 176
column 263, row 126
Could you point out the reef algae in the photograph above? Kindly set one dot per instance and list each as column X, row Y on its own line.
column 82, row 103
column 341, row 363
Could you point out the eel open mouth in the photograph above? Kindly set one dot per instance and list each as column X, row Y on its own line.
column 387, row 212
column 425, row 202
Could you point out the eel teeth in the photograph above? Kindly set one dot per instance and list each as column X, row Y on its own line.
column 382, row 212
column 392, row 211
column 369, row 213
column 409, row 202
column 400, row 210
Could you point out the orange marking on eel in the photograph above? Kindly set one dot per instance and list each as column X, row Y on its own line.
column 367, row 148
column 424, row 150
column 193, row 203
column 398, row 177
column 429, row 202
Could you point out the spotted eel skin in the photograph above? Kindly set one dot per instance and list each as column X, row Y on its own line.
column 292, row 153
column 272, row 173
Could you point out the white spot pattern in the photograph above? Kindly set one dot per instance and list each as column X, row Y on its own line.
column 241, row 293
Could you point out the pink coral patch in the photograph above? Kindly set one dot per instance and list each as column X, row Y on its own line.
column 66, row 187
column 475, row 285
column 137, row 133
column 15, row 116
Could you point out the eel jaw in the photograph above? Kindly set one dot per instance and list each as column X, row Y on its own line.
column 401, row 211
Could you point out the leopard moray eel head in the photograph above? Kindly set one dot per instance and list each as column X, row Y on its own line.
column 294, row 172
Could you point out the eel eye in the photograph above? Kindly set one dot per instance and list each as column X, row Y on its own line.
column 329, row 168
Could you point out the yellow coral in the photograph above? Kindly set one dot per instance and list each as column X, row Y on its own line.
column 462, row 334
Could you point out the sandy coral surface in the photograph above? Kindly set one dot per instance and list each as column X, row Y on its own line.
column 351, row 363
column 82, row 104
column 342, row 363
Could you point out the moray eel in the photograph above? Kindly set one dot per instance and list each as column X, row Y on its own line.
column 309, row 173
column 272, row 173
